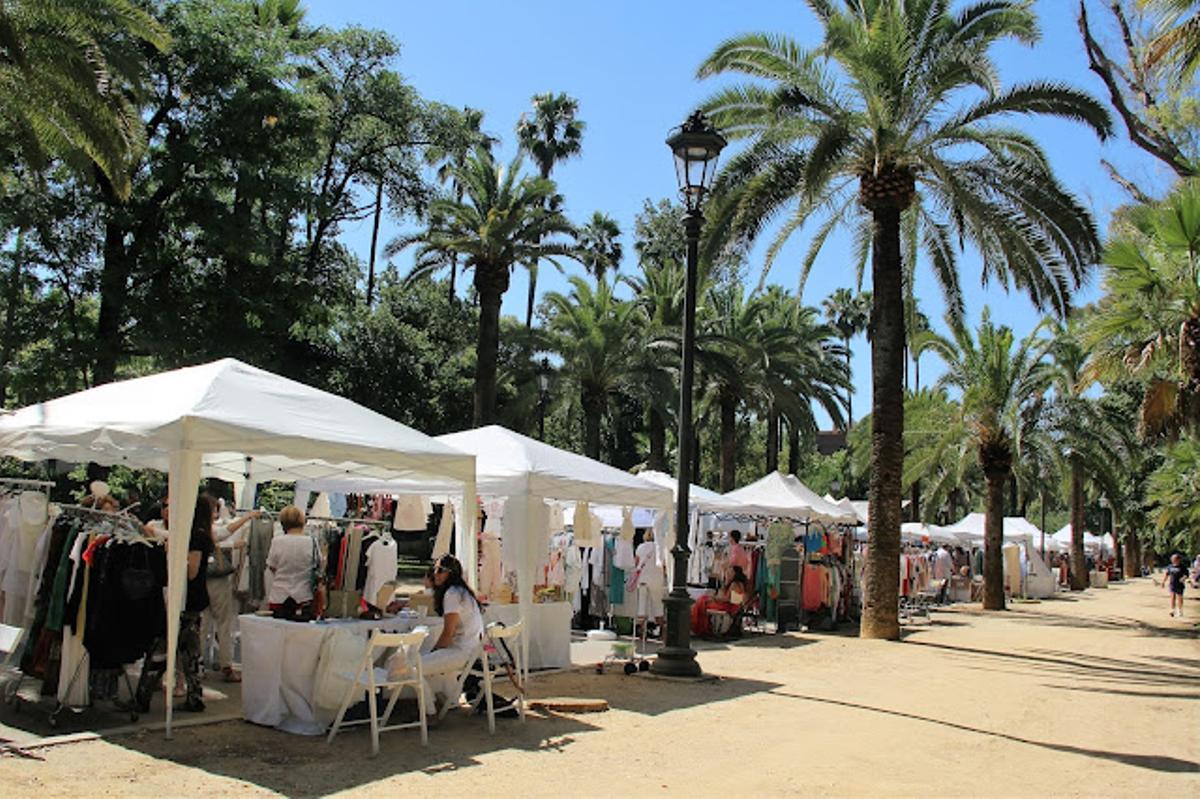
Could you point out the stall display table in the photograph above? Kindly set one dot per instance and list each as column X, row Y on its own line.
column 549, row 631
column 280, row 661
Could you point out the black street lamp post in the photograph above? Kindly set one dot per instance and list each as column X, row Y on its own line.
column 696, row 146
column 543, row 380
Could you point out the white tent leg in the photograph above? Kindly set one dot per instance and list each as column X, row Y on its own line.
column 183, row 484
column 465, row 541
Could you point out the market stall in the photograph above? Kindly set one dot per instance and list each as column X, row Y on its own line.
column 519, row 479
column 231, row 420
column 1025, row 571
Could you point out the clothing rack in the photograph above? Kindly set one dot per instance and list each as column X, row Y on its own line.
column 131, row 524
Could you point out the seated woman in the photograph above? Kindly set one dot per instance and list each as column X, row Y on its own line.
column 730, row 599
column 291, row 562
column 462, row 630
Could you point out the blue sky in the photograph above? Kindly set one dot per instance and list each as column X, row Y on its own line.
column 632, row 67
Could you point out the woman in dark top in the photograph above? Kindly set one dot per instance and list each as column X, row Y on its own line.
column 1175, row 576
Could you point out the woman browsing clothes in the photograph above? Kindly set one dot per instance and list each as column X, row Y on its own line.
column 294, row 563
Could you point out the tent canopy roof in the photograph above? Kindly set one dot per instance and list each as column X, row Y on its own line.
column 227, row 411
column 510, row 464
column 1016, row 528
column 699, row 497
column 783, row 495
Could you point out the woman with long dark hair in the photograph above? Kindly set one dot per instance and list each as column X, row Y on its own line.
column 462, row 630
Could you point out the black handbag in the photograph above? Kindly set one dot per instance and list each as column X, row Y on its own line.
column 138, row 583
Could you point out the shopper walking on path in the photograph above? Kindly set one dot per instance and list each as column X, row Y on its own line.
column 1175, row 576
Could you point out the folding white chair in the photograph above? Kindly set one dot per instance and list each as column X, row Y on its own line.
column 493, row 660
column 490, row 661
column 369, row 678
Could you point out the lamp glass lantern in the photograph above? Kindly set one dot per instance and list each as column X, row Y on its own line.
column 697, row 146
column 543, row 376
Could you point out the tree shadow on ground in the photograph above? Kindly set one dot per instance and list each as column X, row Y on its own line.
column 1149, row 762
column 302, row 766
column 1077, row 666
column 1119, row 692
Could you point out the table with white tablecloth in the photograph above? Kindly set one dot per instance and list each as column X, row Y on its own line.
column 280, row 662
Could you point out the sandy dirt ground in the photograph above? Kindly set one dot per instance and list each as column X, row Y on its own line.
column 1088, row 695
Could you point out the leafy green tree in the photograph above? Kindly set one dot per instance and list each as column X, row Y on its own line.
column 879, row 124
column 70, row 73
column 594, row 333
column 550, row 134
column 410, row 357
column 998, row 377
column 502, row 220
column 1172, row 491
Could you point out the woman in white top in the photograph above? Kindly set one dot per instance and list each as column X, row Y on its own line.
column 290, row 563
column 651, row 581
column 462, row 630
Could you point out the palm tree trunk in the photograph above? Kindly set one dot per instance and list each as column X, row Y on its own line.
column 916, row 372
column 1013, row 505
column 1080, row 579
column 793, row 448
column 772, row 440
column 728, row 441
column 10, row 314
column 1132, row 565
column 849, row 391
column 453, row 275
column 658, row 442
column 532, row 297
column 914, row 508
column 593, row 412
column 993, row 539
column 881, row 595
column 696, row 456
column 374, row 242
column 490, row 284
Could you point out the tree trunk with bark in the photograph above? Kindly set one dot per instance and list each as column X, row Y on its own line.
column 114, row 285
column 593, row 414
column 849, row 391
column 728, row 404
column 772, row 440
column 881, row 595
column 1132, row 562
column 374, row 242
column 657, row 432
column 490, row 284
column 914, row 507
column 793, row 448
column 12, row 300
column 1080, row 578
column 993, row 537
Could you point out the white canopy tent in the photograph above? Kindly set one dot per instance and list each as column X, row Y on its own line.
column 700, row 498
column 783, row 495
column 1091, row 543
column 532, row 473
column 1039, row 583
column 230, row 420
column 919, row 532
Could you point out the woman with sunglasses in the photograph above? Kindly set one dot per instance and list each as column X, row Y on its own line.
column 462, row 630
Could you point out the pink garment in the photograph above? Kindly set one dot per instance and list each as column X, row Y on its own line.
column 738, row 556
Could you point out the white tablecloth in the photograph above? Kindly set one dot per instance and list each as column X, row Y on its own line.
column 549, row 631
column 279, row 666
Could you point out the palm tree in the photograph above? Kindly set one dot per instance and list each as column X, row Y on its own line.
column 812, row 371
column 501, row 221
column 878, row 129
column 1090, row 443
column 69, row 77
column 1177, row 42
column 1147, row 325
column 658, row 294
column 600, row 245
column 550, row 135
column 997, row 382
column 593, row 332
column 448, row 157
column 849, row 314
